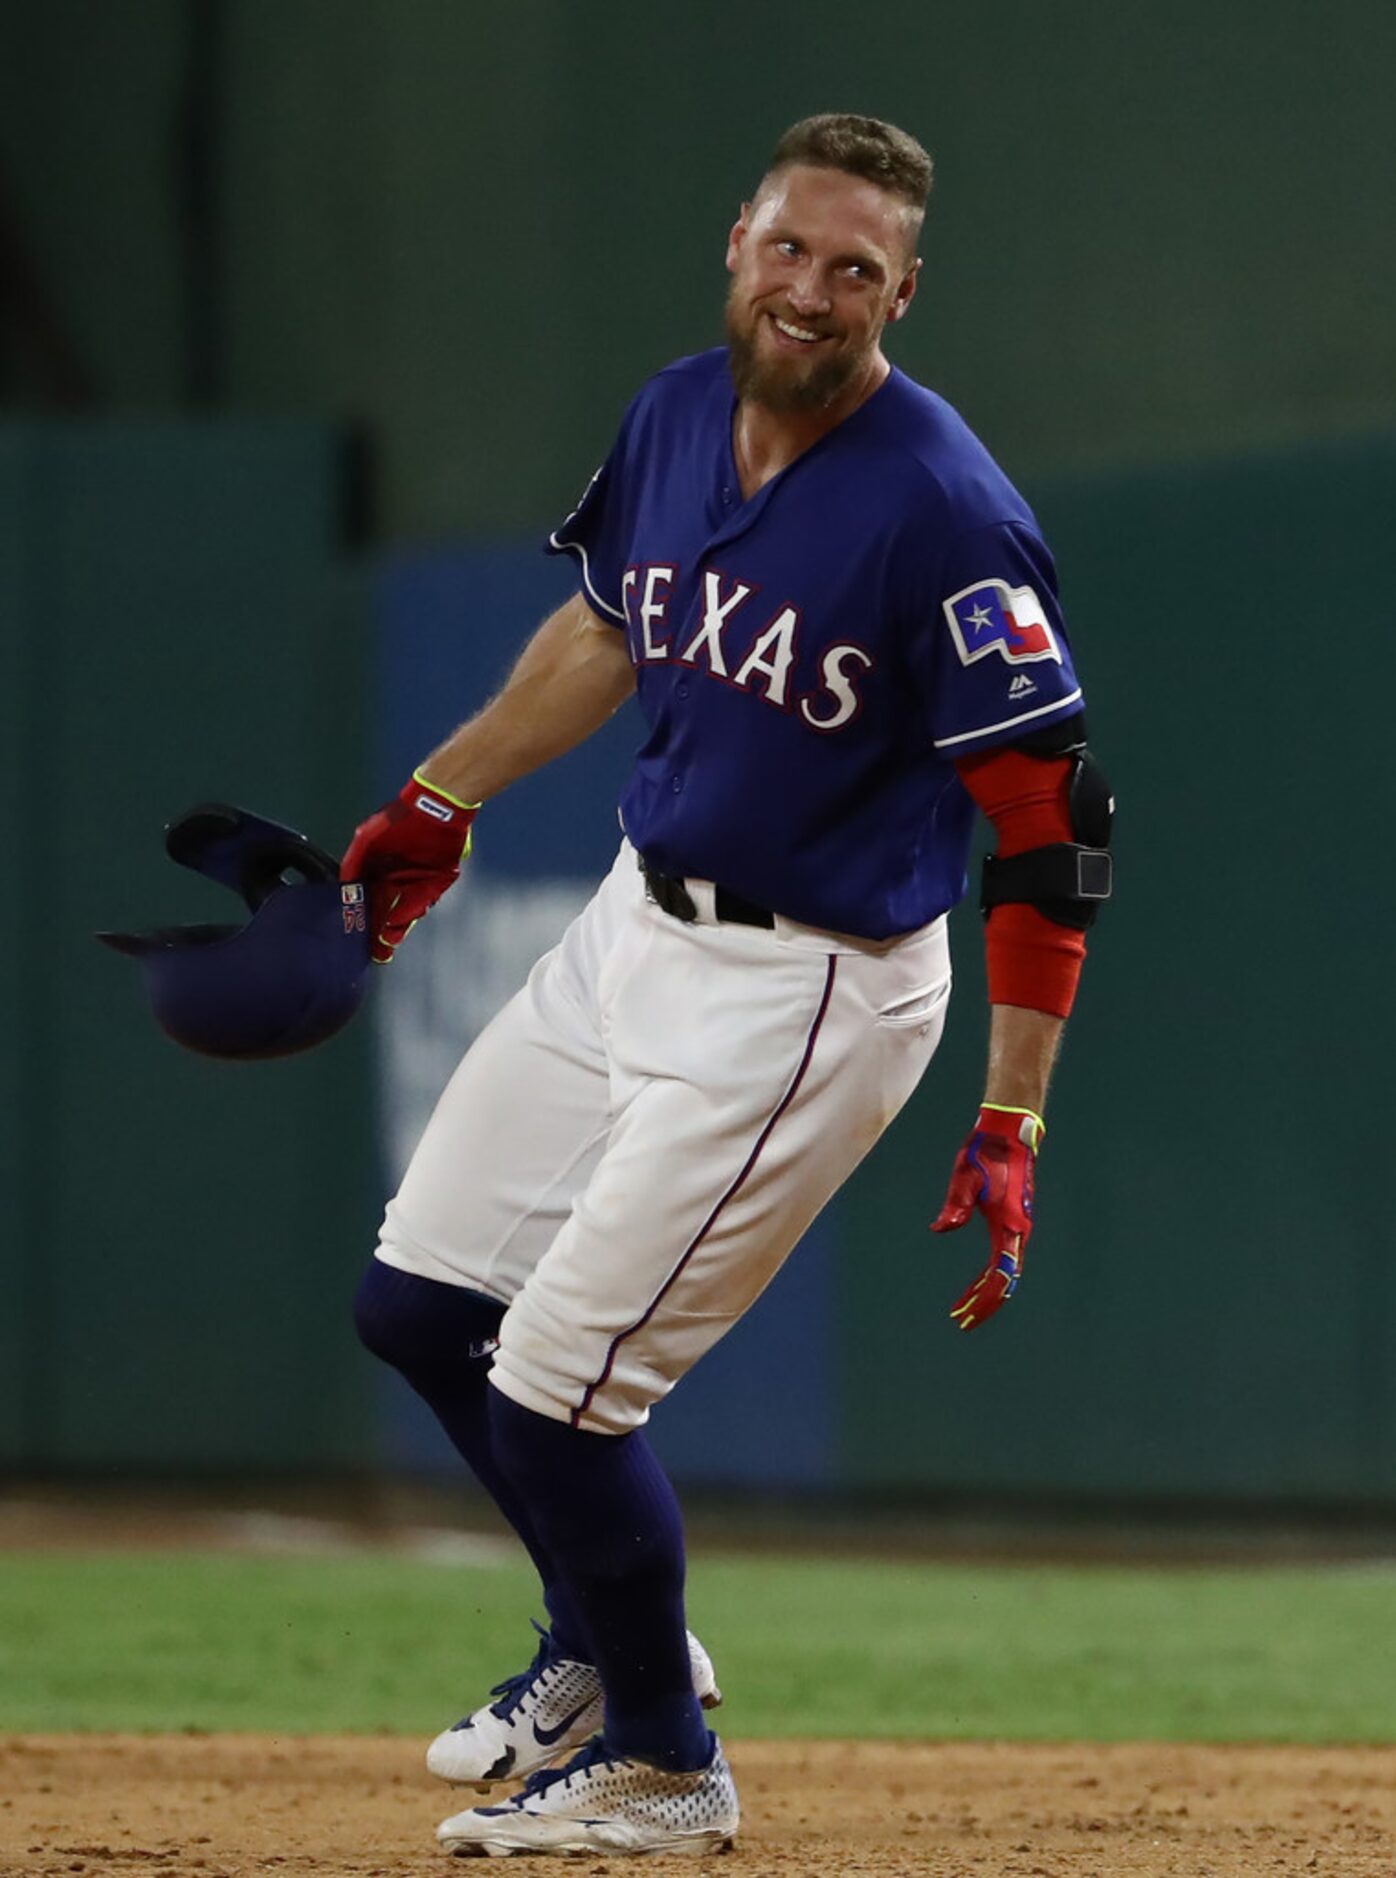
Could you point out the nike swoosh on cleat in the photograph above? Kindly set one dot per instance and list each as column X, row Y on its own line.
column 549, row 1737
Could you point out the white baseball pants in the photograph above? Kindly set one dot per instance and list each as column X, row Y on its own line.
column 631, row 1148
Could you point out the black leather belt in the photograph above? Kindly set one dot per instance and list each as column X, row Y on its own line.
column 669, row 893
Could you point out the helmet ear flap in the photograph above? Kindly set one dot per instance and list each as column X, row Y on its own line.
column 190, row 837
column 264, row 869
column 244, row 851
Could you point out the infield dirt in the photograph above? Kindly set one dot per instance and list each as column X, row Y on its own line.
column 107, row 1806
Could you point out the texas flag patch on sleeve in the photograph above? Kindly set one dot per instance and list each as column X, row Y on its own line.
column 992, row 616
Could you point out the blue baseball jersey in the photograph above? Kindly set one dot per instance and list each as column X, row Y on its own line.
column 811, row 662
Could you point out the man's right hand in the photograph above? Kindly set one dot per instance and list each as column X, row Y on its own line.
column 407, row 855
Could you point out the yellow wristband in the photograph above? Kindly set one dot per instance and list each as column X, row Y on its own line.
column 1007, row 1108
column 455, row 801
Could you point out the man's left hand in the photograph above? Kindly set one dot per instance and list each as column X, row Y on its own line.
column 993, row 1175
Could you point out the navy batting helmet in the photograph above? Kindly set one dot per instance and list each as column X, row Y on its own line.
column 283, row 981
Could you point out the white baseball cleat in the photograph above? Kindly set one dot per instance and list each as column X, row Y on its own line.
column 599, row 1804
column 539, row 1716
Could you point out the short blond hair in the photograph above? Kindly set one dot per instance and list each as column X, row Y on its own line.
column 859, row 146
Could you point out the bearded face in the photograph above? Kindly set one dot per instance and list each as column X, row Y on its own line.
column 820, row 261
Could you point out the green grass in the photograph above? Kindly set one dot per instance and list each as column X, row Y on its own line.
column 804, row 1647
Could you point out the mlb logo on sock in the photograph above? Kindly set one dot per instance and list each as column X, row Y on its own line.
column 991, row 616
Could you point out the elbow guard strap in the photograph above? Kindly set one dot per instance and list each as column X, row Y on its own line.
column 1066, row 876
column 1065, row 880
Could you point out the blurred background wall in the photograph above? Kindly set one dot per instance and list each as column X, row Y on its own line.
column 474, row 223
column 316, row 314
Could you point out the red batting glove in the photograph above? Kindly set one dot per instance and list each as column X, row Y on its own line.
column 993, row 1175
column 407, row 855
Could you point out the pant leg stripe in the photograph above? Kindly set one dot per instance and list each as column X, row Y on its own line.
column 731, row 1193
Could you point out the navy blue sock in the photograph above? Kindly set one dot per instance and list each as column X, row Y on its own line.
column 605, row 1510
column 439, row 1337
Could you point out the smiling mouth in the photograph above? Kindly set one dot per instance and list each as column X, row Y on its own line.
column 800, row 333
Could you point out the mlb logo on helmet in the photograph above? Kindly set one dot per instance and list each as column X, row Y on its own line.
column 351, row 896
column 991, row 616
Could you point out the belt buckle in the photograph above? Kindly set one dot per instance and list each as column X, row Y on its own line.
column 669, row 894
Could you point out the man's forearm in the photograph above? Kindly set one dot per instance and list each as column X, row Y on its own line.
column 1022, row 1049
column 571, row 676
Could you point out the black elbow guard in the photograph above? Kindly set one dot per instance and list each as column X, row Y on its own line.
column 1068, row 880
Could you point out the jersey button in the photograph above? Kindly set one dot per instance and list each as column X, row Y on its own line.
column 677, row 784
column 681, row 689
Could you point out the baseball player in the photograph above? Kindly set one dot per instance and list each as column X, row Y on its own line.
column 842, row 627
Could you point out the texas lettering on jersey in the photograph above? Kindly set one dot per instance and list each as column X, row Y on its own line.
column 770, row 657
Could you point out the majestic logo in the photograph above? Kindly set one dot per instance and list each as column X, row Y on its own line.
column 991, row 616
column 1022, row 687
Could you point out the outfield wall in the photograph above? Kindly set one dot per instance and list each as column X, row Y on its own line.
column 1155, row 229
column 181, row 1235
column 1210, row 1304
